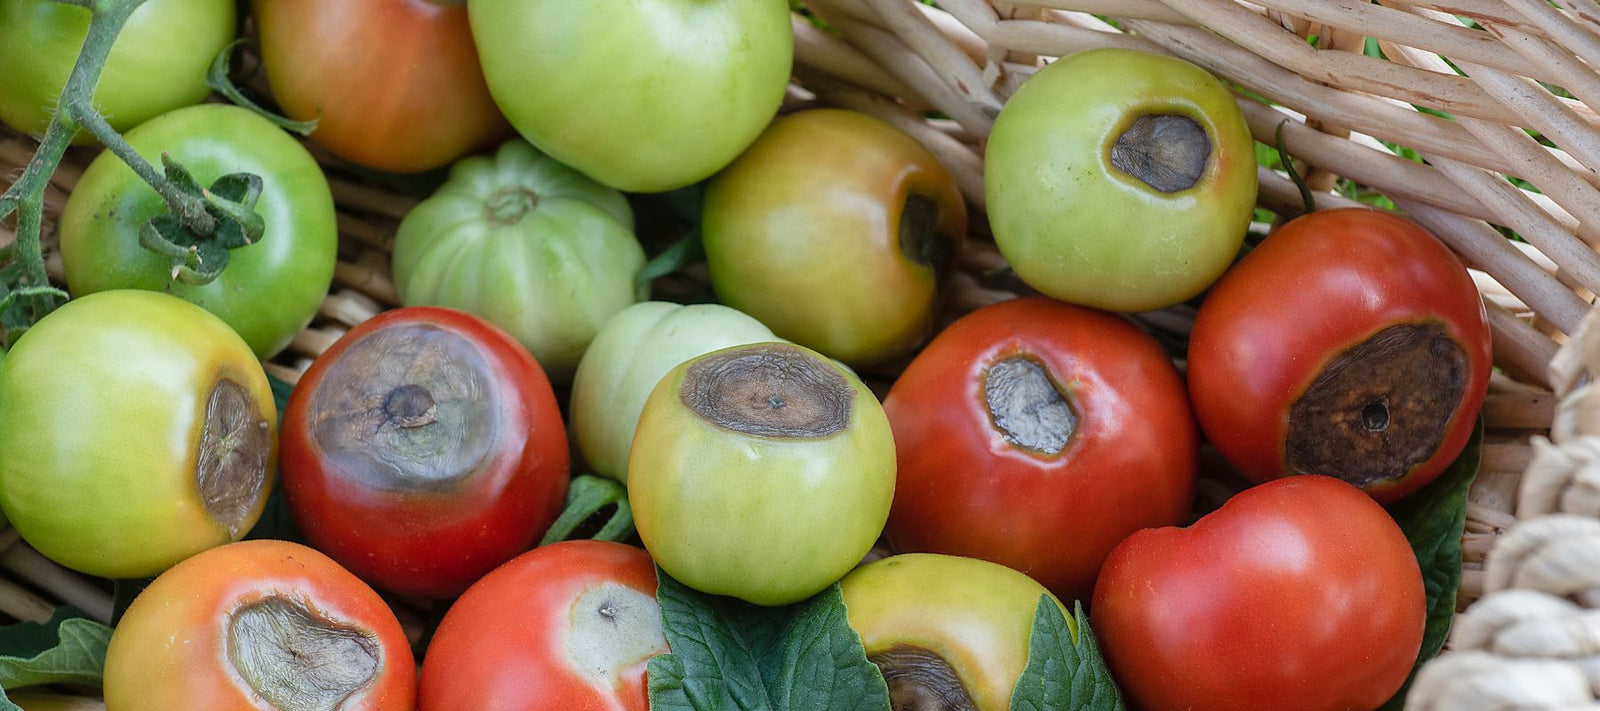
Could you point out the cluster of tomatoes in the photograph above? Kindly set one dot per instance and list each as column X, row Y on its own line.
column 1040, row 446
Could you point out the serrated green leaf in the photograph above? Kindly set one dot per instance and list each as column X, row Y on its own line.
column 1065, row 671
column 69, row 649
column 730, row 655
column 1434, row 520
column 588, row 495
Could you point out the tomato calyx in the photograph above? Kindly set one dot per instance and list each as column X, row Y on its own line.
column 614, row 627
column 921, row 240
column 1026, row 405
column 298, row 660
column 205, row 224
column 1167, row 152
column 235, row 446
column 426, row 426
column 918, row 678
column 508, row 205
column 769, row 390
column 1380, row 407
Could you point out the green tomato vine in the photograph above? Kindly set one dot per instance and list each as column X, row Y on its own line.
column 197, row 215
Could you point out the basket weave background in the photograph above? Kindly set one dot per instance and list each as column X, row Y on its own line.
column 1466, row 94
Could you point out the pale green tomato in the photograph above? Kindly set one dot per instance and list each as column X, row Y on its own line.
column 633, row 351
column 969, row 618
column 138, row 429
column 1120, row 180
column 157, row 64
column 528, row 244
column 761, row 471
column 642, row 95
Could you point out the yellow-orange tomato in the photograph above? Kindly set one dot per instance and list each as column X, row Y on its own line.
column 254, row 623
column 394, row 84
column 832, row 230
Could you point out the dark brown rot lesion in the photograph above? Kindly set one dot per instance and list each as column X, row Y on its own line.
column 921, row 240
column 1168, row 152
column 235, row 448
column 1380, row 407
column 1027, row 406
column 410, row 407
column 298, row 660
column 921, row 680
column 769, row 390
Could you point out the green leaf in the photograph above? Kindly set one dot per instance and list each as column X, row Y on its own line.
column 730, row 655
column 1434, row 520
column 1065, row 671
column 588, row 495
column 686, row 251
column 69, row 649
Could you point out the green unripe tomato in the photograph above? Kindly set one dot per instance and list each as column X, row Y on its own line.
column 158, row 62
column 760, row 471
column 633, row 351
column 1120, row 180
column 269, row 290
column 641, row 95
column 528, row 244
column 138, row 429
column 944, row 627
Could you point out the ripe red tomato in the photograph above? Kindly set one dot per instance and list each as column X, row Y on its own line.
column 1037, row 434
column 1300, row 594
column 394, row 84
column 259, row 624
column 423, row 449
column 565, row 626
column 1351, row 343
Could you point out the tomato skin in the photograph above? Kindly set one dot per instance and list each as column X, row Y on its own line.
column 1320, row 284
column 271, row 289
column 504, row 645
column 158, row 62
column 408, row 94
column 421, row 541
column 170, row 650
column 963, row 489
column 104, row 406
column 1300, row 594
column 841, row 279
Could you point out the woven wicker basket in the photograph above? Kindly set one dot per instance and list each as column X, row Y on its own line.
column 1351, row 116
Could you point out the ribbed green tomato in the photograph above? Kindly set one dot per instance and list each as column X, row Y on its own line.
column 623, row 364
column 138, row 430
column 761, row 471
column 269, row 290
column 527, row 243
column 157, row 64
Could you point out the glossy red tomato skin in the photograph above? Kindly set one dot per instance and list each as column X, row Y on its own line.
column 393, row 84
column 433, row 544
column 1320, row 284
column 1300, row 594
column 500, row 647
column 962, row 489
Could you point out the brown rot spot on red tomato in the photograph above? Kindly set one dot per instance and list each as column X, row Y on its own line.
column 1380, row 407
column 297, row 660
column 231, row 465
column 1168, row 152
column 1027, row 406
column 408, row 408
column 769, row 390
column 921, row 680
